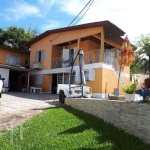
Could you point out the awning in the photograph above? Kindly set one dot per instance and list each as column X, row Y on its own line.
column 13, row 67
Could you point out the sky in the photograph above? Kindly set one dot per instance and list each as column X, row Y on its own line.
column 132, row 16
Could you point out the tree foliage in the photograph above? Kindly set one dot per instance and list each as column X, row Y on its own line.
column 15, row 37
column 142, row 56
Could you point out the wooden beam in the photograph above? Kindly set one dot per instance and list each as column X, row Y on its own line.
column 97, row 36
column 108, row 41
column 116, row 53
column 79, row 41
column 112, row 43
column 78, row 47
column 102, row 46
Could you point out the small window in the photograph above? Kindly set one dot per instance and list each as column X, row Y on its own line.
column 89, row 75
column 40, row 56
column 38, row 79
column 86, row 73
column 12, row 60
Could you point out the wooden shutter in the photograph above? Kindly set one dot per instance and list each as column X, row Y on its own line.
column 43, row 55
column 92, row 74
column 17, row 60
column 37, row 57
column 65, row 57
column 7, row 59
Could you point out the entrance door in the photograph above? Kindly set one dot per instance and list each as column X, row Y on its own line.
column 54, row 84
column 14, row 83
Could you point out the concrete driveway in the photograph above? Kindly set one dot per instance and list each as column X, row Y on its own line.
column 16, row 108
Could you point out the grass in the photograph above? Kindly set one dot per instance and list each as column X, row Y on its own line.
column 65, row 128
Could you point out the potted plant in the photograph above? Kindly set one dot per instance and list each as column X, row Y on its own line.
column 130, row 92
column 88, row 94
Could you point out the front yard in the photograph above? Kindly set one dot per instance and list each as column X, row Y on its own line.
column 64, row 128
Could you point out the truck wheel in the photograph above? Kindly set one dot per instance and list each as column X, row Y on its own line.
column 0, row 95
column 61, row 96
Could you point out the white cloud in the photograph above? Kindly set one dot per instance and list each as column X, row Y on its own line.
column 71, row 7
column 45, row 6
column 130, row 16
column 20, row 9
column 50, row 25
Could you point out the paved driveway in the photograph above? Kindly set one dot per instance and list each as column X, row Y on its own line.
column 16, row 108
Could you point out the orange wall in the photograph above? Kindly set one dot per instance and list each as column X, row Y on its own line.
column 45, row 83
column 4, row 52
column 56, row 51
column 43, row 44
column 97, row 84
column 106, row 81
column 47, row 42
column 93, row 45
column 126, row 69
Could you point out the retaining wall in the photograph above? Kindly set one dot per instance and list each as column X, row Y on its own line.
column 134, row 118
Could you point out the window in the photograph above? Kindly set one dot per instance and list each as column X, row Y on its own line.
column 38, row 79
column 86, row 73
column 12, row 60
column 66, row 78
column 27, row 61
column 89, row 74
column 40, row 56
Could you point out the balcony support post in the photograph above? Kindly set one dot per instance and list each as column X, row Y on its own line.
column 78, row 47
column 102, row 46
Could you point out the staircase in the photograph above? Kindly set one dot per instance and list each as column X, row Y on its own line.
column 111, row 60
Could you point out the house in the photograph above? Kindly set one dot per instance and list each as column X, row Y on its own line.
column 52, row 53
column 14, row 68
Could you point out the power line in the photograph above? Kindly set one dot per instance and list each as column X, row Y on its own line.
column 84, row 13
column 80, row 12
column 76, row 17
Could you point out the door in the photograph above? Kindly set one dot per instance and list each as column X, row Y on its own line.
column 54, row 84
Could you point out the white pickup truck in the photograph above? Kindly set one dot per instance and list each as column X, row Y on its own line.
column 1, row 85
column 75, row 91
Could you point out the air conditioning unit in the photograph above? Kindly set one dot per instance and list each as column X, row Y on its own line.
column 62, row 47
column 37, row 66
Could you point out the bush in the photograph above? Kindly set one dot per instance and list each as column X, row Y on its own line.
column 131, row 88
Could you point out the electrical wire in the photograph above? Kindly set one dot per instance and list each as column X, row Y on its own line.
column 75, row 18
column 84, row 13
column 79, row 13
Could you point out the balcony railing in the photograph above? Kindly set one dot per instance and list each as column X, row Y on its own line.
column 56, row 62
column 92, row 56
column 89, row 58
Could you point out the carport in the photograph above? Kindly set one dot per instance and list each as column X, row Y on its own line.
column 15, row 73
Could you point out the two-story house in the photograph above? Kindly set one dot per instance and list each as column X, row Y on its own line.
column 14, row 68
column 52, row 53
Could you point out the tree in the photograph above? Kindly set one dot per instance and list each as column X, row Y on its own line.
column 142, row 56
column 15, row 37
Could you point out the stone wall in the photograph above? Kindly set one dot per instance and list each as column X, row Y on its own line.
column 134, row 118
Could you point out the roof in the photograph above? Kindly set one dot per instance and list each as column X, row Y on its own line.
column 111, row 31
column 16, row 50
column 13, row 67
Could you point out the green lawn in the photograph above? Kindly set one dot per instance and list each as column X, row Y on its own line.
column 64, row 128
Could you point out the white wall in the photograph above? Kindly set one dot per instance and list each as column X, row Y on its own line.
column 5, row 74
column 141, row 78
